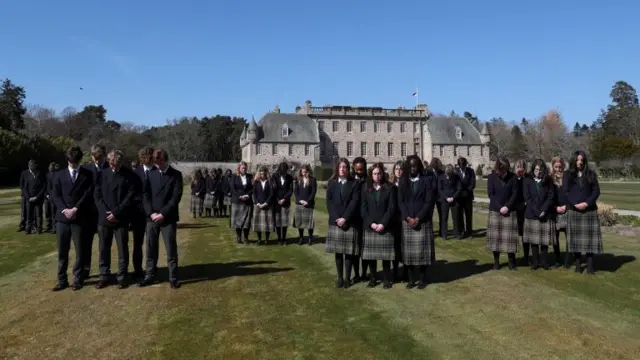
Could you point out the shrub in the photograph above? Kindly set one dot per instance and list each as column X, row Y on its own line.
column 606, row 214
column 322, row 185
column 479, row 170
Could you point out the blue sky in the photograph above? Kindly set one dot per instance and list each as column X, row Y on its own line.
column 149, row 61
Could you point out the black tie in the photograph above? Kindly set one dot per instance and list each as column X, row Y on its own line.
column 146, row 174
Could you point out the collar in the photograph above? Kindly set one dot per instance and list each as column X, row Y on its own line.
column 147, row 167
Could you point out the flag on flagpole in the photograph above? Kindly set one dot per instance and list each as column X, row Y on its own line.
column 414, row 94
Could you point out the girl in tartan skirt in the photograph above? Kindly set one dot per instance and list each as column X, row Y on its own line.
column 198, row 190
column 360, row 175
column 241, row 189
column 263, row 205
column 580, row 185
column 394, row 180
column 520, row 169
column 378, row 208
column 539, row 223
column 416, row 195
column 224, row 200
column 283, row 189
column 305, row 188
column 343, row 205
column 209, row 199
column 502, row 227
column 557, row 171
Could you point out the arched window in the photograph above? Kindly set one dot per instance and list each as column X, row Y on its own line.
column 458, row 133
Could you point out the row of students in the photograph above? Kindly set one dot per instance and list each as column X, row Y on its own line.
column 564, row 201
column 263, row 203
column 210, row 193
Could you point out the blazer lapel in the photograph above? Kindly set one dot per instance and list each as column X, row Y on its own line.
column 114, row 180
column 165, row 177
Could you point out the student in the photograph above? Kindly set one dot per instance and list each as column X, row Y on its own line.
column 520, row 170
column 263, row 205
column 449, row 189
column 465, row 200
column 416, row 195
column 225, row 199
column 198, row 192
column 210, row 183
column 343, row 202
column 539, row 224
column 434, row 172
column 49, row 205
column 557, row 173
column 502, row 227
column 241, row 190
column 283, row 189
column 394, row 180
column 304, row 189
column 378, row 208
column 359, row 175
column 138, row 217
column 581, row 188
column 35, row 187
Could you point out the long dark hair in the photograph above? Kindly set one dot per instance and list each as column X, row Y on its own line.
column 406, row 171
column 283, row 169
column 502, row 165
column 392, row 174
column 309, row 172
column 544, row 171
column 587, row 174
column 383, row 180
column 437, row 166
column 335, row 176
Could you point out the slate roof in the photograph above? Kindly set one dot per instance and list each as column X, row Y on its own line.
column 302, row 129
column 443, row 131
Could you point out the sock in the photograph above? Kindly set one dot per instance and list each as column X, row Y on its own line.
column 283, row 230
column 386, row 271
column 245, row 232
column 301, row 233
column 525, row 248
column 373, row 264
column 340, row 267
column 239, row 233
column 348, row 263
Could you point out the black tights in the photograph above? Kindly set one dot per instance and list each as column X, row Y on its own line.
column 301, row 232
column 243, row 233
column 511, row 257
column 343, row 262
column 419, row 273
column 281, row 232
column 266, row 235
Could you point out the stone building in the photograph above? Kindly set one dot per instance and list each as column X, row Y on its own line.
column 322, row 135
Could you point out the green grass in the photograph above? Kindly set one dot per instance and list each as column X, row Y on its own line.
column 620, row 194
column 273, row 302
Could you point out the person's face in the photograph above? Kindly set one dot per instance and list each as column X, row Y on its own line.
column 376, row 175
column 304, row 172
column 342, row 170
column 359, row 169
column 33, row 167
column 262, row 175
column 413, row 165
column 537, row 172
column 115, row 166
column 580, row 162
column 243, row 169
column 558, row 167
column 160, row 162
column 520, row 171
column 97, row 159
column 397, row 171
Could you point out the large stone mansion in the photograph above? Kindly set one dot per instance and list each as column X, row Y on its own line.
column 321, row 135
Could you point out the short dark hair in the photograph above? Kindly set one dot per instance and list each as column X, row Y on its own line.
column 52, row 166
column 359, row 160
column 74, row 155
column 502, row 164
column 160, row 153
column 462, row 161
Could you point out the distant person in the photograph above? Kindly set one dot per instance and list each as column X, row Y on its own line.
column 35, row 187
column 449, row 189
column 304, row 189
column 138, row 217
column 557, row 174
column 263, row 198
column 198, row 192
column 539, row 222
column 283, row 189
column 465, row 200
column 72, row 197
column 241, row 193
column 359, row 175
column 520, row 170
column 24, row 175
column 49, row 205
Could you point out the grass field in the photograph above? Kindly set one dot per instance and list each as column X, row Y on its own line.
column 622, row 195
column 273, row 302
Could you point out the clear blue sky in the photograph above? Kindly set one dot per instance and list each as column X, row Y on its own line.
column 148, row 61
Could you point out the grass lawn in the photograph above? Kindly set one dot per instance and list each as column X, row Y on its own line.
column 273, row 302
column 622, row 195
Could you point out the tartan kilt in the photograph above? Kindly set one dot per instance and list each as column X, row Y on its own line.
column 502, row 232
column 303, row 217
column 196, row 204
column 583, row 232
column 240, row 216
column 561, row 222
column 418, row 246
column 209, row 201
column 262, row 220
column 281, row 216
column 340, row 241
column 226, row 201
column 376, row 246
column 538, row 232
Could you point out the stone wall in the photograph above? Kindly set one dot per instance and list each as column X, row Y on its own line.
column 187, row 168
column 449, row 154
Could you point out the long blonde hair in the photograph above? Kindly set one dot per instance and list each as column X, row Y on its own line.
column 555, row 175
column 262, row 169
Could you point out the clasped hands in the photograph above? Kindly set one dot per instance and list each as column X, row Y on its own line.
column 377, row 227
column 413, row 222
column 70, row 213
column 303, row 203
column 581, row 206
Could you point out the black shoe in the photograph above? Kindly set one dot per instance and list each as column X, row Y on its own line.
column 174, row 284
column 122, row 285
column 102, row 284
column 371, row 284
column 60, row 286
column 29, row 232
column 77, row 286
column 340, row 284
column 238, row 240
column 410, row 285
column 310, row 241
column 421, row 285
column 20, row 230
column 386, row 284
column 301, row 241
column 146, row 282
column 138, row 274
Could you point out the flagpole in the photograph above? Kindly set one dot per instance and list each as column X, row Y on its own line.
column 417, row 97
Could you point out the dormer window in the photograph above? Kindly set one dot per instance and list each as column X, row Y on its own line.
column 285, row 130
column 458, row 133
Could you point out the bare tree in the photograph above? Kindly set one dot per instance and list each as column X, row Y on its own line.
column 500, row 137
column 184, row 141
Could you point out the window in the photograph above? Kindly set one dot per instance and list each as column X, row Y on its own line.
column 307, row 150
column 334, row 148
column 389, row 126
column 481, row 150
column 455, row 150
column 349, row 148
column 258, row 149
column 441, row 150
column 376, row 149
column 334, row 126
column 458, row 133
column 416, row 148
column 321, row 125
column 389, row 149
column 274, row 149
column 415, row 127
column 468, row 150
column 285, row 130
column 403, row 149
column 290, row 149
column 376, row 127
column 363, row 126
column 403, row 128
column 349, row 126
column 363, row 149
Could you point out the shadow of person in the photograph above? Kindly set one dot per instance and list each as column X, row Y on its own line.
column 445, row 272
column 194, row 273
column 194, row 226
column 611, row 262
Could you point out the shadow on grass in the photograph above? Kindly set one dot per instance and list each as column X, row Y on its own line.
column 611, row 262
column 194, row 226
column 194, row 273
column 445, row 271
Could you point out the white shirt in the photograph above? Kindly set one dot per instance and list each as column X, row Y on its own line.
column 281, row 180
column 263, row 183
column 147, row 168
column 463, row 172
column 71, row 170
column 305, row 182
column 342, row 181
column 243, row 178
column 414, row 179
column 377, row 187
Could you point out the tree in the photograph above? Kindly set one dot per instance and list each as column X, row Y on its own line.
column 500, row 137
column 12, row 107
column 518, row 145
column 577, row 129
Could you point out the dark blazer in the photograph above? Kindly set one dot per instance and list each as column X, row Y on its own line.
column 23, row 177
column 468, row 183
column 213, row 184
column 283, row 191
column 199, row 188
column 67, row 195
column 35, row 185
column 91, row 167
column 225, row 184
column 538, row 201
column 116, row 192
column 378, row 207
column 140, row 213
column 237, row 189
column 418, row 204
column 307, row 193
column 503, row 191
column 263, row 196
column 344, row 203
column 561, row 197
column 51, row 175
column 162, row 194
column 579, row 190
column 449, row 187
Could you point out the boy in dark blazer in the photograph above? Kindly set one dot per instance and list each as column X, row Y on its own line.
column 35, row 186
column 138, row 215
column 49, row 206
